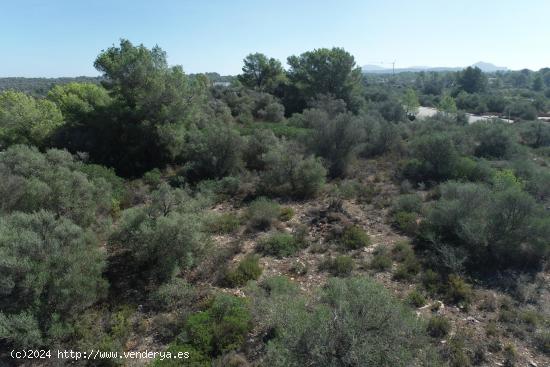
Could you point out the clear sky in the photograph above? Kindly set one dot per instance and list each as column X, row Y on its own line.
column 53, row 38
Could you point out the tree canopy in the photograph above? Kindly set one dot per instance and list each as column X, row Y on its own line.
column 326, row 71
column 261, row 73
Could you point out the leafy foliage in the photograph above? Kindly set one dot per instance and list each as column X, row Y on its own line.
column 26, row 120
column 280, row 244
column 46, row 280
column 326, row 71
column 498, row 228
column 54, row 181
column 355, row 322
column 354, row 238
column 220, row 328
column 152, row 241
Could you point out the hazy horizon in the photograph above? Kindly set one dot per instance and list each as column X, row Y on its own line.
column 62, row 38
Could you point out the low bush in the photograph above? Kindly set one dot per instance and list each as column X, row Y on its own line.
column 248, row 269
column 408, row 269
column 286, row 214
column 212, row 152
column 458, row 291
column 151, row 241
column 487, row 224
column 354, row 237
column 289, row 173
column 335, row 138
column 435, row 158
column 263, row 213
column 279, row 244
column 223, row 223
column 438, row 327
column 340, row 266
column 321, row 333
column 174, row 295
column 431, row 281
column 220, row 328
column 381, row 260
column 402, row 250
column 51, row 271
column 416, row 299
column 406, row 222
column 495, row 141
column 411, row 203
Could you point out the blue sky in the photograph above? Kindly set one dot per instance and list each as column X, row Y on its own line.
column 53, row 38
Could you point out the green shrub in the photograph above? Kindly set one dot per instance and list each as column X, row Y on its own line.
column 151, row 241
column 325, row 333
column 335, row 139
column 289, row 173
column 406, row 221
column 262, row 213
column 27, row 120
column 473, row 170
column 287, row 213
column 408, row 269
column 457, row 351
column 381, row 260
column 495, row 141
column 279, row 244
column 402, row 250
column 174, row 295
column 221, row 328
column 258, row 144
column 104, row 329
column 411, row 203
column 458, row 291
column 248, row 269
column 224, row 223
column 438, row 327
column 153, row 177
column 212, row 152
column 435, row 158
column 431, row 281
column 486, row 225
column 416, row 299
column 46, row 279
column 340, row 266
column 354, row 237
column 53, row 181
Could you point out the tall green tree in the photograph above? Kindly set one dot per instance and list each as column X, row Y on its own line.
column 261, row 73
column 410, row 101
column 472, row 80
column 447, row 104
column 326, row 71
column 153, row 105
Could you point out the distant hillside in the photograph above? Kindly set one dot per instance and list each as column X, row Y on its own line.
column 484, row 66
column 40, row 86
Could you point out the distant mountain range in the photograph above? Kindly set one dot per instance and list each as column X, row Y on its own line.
column 484, row 66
